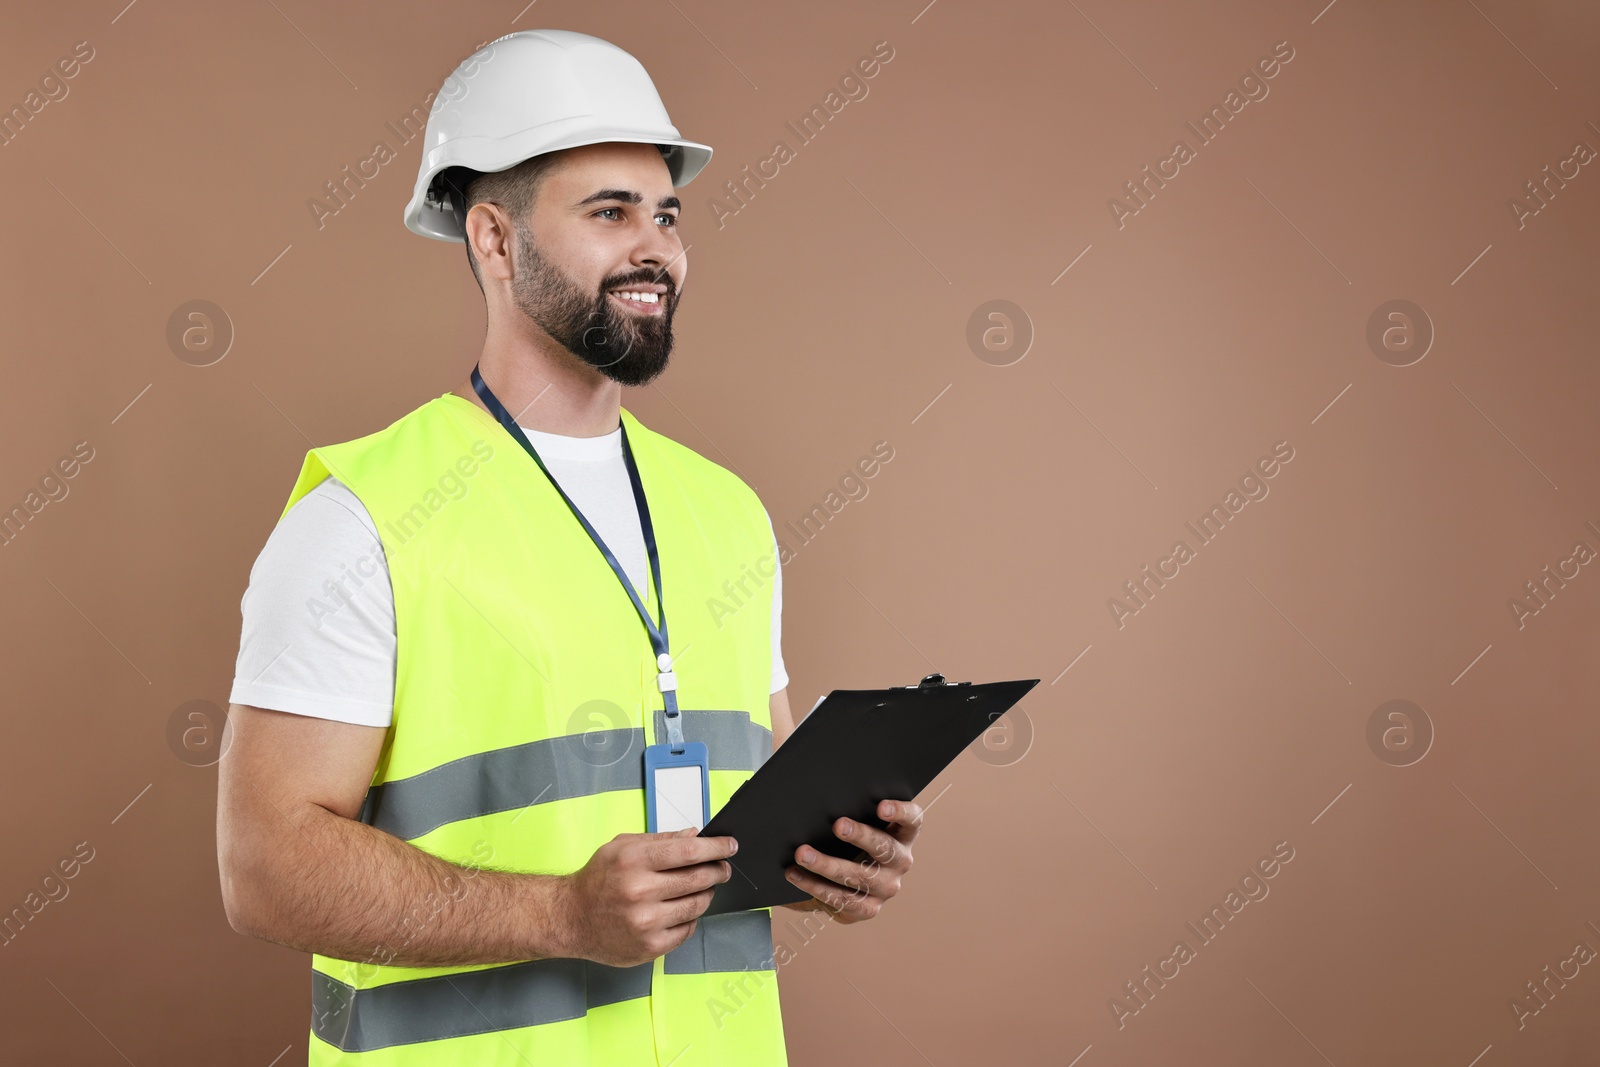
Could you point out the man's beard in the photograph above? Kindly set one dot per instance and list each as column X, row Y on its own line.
column 628, row 348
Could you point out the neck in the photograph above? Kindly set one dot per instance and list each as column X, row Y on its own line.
column 544, row 386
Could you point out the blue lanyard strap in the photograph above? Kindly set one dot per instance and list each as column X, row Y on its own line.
column 666, row 679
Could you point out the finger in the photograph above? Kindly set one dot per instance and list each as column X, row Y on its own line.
column 681, row 912
column 905, row 819
column 846, row 904
column 885, row 850
column 681, row 881
column 685, row 848
column 682, row 931
column 853, row 876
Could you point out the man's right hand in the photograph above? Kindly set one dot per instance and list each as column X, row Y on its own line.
column 639, row 895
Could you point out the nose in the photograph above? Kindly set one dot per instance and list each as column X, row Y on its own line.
column 660, row 251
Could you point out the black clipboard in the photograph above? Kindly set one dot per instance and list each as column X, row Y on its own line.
column 856, row 748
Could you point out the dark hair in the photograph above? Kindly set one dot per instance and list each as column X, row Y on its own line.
column 513, row 189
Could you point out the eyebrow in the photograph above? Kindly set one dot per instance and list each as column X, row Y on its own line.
column 628, row 196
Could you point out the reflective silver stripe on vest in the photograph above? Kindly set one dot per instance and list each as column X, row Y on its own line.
column 556, row 768
column 733, row 742
column 735, row 941
column 521, row 994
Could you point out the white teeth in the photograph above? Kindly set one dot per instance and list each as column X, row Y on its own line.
column 644, row 298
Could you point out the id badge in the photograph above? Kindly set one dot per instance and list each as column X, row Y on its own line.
column 677, row 786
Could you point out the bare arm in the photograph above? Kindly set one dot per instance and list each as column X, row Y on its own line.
column 297, row 868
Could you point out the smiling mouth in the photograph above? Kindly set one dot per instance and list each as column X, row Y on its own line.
column 641, row 307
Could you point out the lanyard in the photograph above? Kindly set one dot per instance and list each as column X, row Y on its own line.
column 666, row 680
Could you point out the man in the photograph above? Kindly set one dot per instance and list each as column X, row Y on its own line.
column 434, row 779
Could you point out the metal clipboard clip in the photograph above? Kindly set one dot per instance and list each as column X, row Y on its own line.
column 932, row 681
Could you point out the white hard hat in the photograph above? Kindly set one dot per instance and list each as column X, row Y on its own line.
column 532, row 92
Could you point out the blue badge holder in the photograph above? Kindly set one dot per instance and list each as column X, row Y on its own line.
column 668, row 757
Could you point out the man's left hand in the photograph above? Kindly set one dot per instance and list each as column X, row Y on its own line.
column 854, row 891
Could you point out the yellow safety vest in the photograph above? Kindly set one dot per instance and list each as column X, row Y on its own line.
column 525, row 692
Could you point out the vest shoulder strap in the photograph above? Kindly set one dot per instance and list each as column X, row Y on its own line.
column 436, row 434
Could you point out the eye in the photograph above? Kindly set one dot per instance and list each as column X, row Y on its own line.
column 672, row 220
column 603, row 210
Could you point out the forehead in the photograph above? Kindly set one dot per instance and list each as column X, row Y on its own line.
column 615, row 165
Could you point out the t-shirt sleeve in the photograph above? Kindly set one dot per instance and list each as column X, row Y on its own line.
column 780, row 676
column 318, row 628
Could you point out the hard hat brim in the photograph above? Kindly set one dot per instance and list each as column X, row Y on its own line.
column 490, row 155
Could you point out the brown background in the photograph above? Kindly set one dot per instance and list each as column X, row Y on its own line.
column 826, row 315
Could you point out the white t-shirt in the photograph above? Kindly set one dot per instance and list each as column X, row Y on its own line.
column 318, row 636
